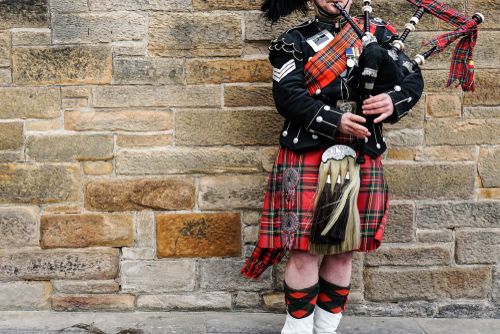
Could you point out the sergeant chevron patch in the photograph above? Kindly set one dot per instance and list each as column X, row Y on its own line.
column 280, row 73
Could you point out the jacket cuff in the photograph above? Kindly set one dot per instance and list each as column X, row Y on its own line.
column 325, row 122
column 402, row 103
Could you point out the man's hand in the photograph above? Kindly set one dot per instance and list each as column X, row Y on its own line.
column 349, row 125
column 378, row 104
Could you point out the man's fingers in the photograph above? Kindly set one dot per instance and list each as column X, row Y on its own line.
column 375, row 98
column 357, row 118
column 381, row 117
column 376, row 111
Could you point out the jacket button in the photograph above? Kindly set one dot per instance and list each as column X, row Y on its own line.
column 327, row 108
column 285, row 133
column 319, row 119
column 315, row 136
column 295, row 140
column 318, row 91
column 397, row 88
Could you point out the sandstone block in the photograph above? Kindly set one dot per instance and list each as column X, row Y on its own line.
column 180, row 160
column 400, row 309
column 231, row 192
column 468, row 310
column 477, row 246
column 24, row 14
column 446, row 153
column 70, row 147
column 430, row 181
column 19, row 227
column 85, row 287
column 274, row 301
column 42, row 125
column 400, row 226
column 433, row 236
column 145, row 229
column 488, row 193
column 227, row 127
column 486, row 88
column 248, row 300
column 202, row 5
column 98, row 27
column 166, row 5
column 30, row 36
column 410, row 255
column 5, row 48
column 198, row 34
column 62, row 65
column 140, row 140
column 258, row 29
column 227, row 70
column 36, row 184
column 268, row 155
column 458, row 214
column 11, row 136
column 126, row 48
column 5, row 77
column 84, row 264
column 142, row 253
column 194, row 301
column 198, row 235
column 482, row 112
column 86, row 230
column 110, row 120
column 75, row 303
column 394, row 285
column 25, row 296
column 141, row 194
column 489, row 6
column 489, row 166
column 75, row 91
column 463, row 132
column 98, row 167
column 243, row 96
column 69, row 6
column 401, row 153
column 250, row 234
column 157, row 276
column 405, row 137
column 29, row 102
column 444, row 105
column 143, row 71
column 435, row 81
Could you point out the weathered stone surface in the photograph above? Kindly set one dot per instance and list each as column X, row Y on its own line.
column 15, row 13
column 98, row 167
column 225, row 275
column 268, row 155
column 30, row 36
column 86, row 230
column 399, row 309
column 194, row 34
column 488, row 193
column 488, row 7
column 5, row 48
column 243, row 96
column 96, row 263
column 75, row 91
column 487, row 87
column 74, row 303
column 448, row 153
column 388, row 284
column 133, row 140
column 167, row 5
column 198, row 235
column 477, row 246
column 5, row 77
column 151, row 96
column 258, row 29
column 71, row 104
column 19, row 227
column 227, row 127
column 180, row 160
column 140, row 71
column 401, row 153
column 62, row 208
column 248, row 300
column 432, row 236
column 98, row 27
column 405, row 137
column 36, row 184
column 227, row 5
column 463, row 132
column 127, row 49
column 443, row 105
column 468, row 310
column 250, row 234
column 145, row 229
column 194, row 302
column 157, row 276
column 83, row 287
column 62, row 65
column 25, row 296
column 29, row 102
column 482, row 112
column 42, row 125
column 11, row 136
column 65, row 6
column 228, row 70
column 430, row 181
column 489, row 166
column 143, row 253
column 141, row 194
column 133, row 120
column 410, row 255
column 458, row 214
column 400, row 227
column 274, row 301
column 231, row 192
column 435, row 81
column 70, row 147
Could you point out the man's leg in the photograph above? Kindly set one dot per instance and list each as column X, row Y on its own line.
column 334, row 281
column 301, row 292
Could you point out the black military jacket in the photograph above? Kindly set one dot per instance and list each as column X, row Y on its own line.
column 311, row 121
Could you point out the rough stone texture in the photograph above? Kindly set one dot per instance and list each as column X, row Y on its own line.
column 463, row 132
column 400, row 226
column 433, row 236
column 157, row 276
column 274, row 301
column 430, row 181
column 86, row 230
column 92, row 263
column 32, row 13
column 141, row 194
column 133, row 120
column 410, row 255
column 231, row 192
column 84, row 287
column 487, row 88
column 477, row 246
column 112, row 5
column 488, row 193
column 5, row 76
column 227, row 127
column 248, row 300
column 29, row 102
column 443, row 105
column 198, row 235
column 242, row 96
column 468, row 310
column 5, row 48
column 148, row 71
column 230, row 70
column 448, row 153
column 405, row 137
column 11, row 136
column 194, row 34
column 69, row 147
column 257, row 28
column 97, row 167
column 133, row 140
column 392, row 285
column 74, row 303
column 36, row 184
column 19, row 226
column 98, row 27
column 180, row 160
column 30, row 37
column 25, row 296
column 223, row 4
column 458, row 214
column 489, row 166
column 62, row 65
column 194, row 301
column 63, row 6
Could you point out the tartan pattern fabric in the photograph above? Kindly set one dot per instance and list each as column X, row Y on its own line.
column 332, row 298
column 300, row 303
column 462, row 66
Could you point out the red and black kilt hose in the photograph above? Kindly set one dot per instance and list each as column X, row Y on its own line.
column 285, row 221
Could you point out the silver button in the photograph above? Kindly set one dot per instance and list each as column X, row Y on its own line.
column 409, row 99
column 318, row 91
column 366, row 140
column 314, row 136
column 378, row 146
column 285, row 133
column 327, row 108
column 383, row 139
column 319, row 119
column 295, row 140
column 397, row 88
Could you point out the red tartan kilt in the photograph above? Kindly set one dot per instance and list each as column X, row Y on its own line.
column 289, row 200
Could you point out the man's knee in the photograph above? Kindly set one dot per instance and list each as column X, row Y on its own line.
column 303, row 261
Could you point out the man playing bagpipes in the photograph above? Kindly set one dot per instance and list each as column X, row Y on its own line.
column 335, row 85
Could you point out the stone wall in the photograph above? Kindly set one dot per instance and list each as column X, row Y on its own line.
column 135, row 140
